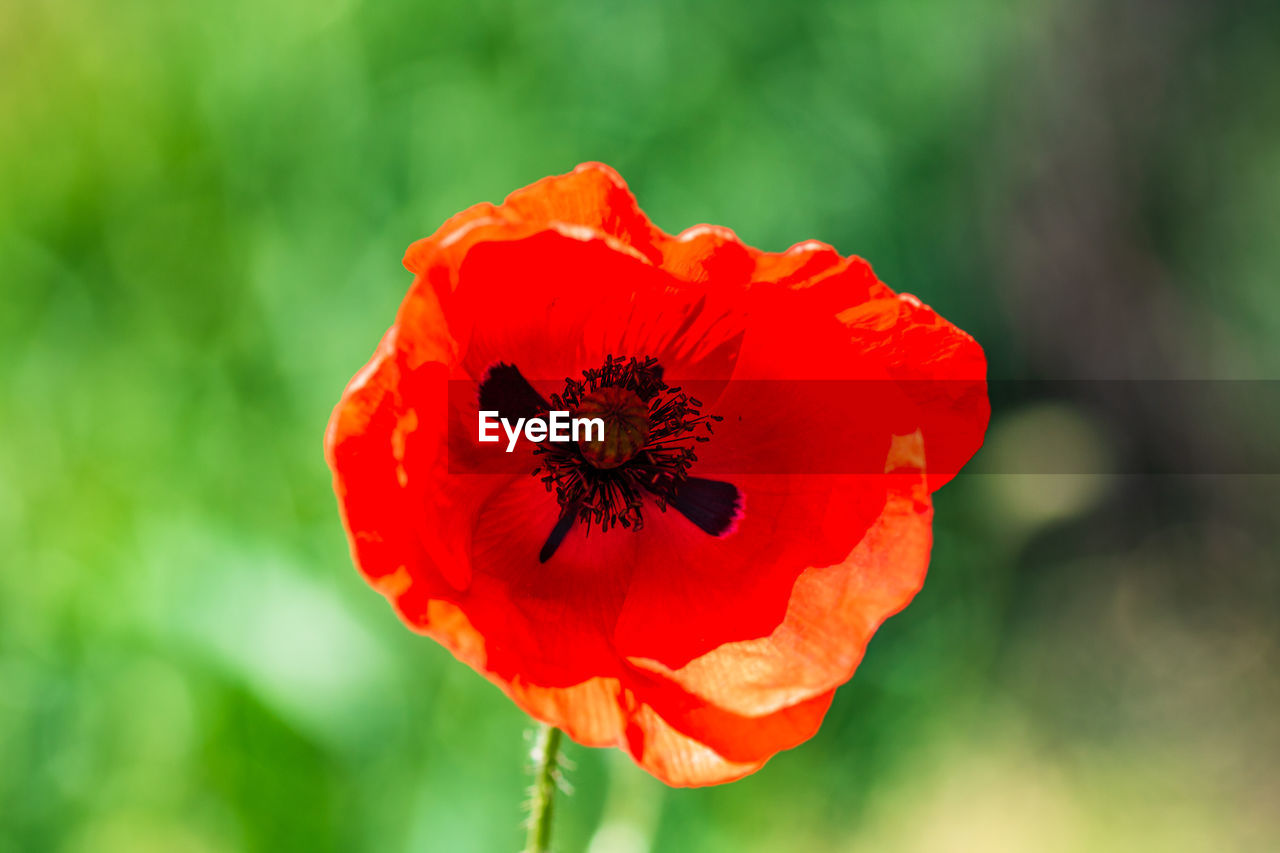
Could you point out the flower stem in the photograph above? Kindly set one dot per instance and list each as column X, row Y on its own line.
column 546, row 749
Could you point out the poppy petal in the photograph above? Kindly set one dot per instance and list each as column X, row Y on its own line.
column 831, row 615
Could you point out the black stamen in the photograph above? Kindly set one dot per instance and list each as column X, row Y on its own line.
column 612, row 492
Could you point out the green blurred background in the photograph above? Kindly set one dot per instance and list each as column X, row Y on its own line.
column 202, row 213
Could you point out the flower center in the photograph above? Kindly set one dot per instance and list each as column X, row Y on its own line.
column 650, row 431
column 626, row 426
column 643, row 457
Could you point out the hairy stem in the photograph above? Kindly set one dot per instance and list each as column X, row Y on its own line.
column 546, row 749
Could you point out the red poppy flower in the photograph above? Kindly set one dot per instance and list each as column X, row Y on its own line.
column 695, row 587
